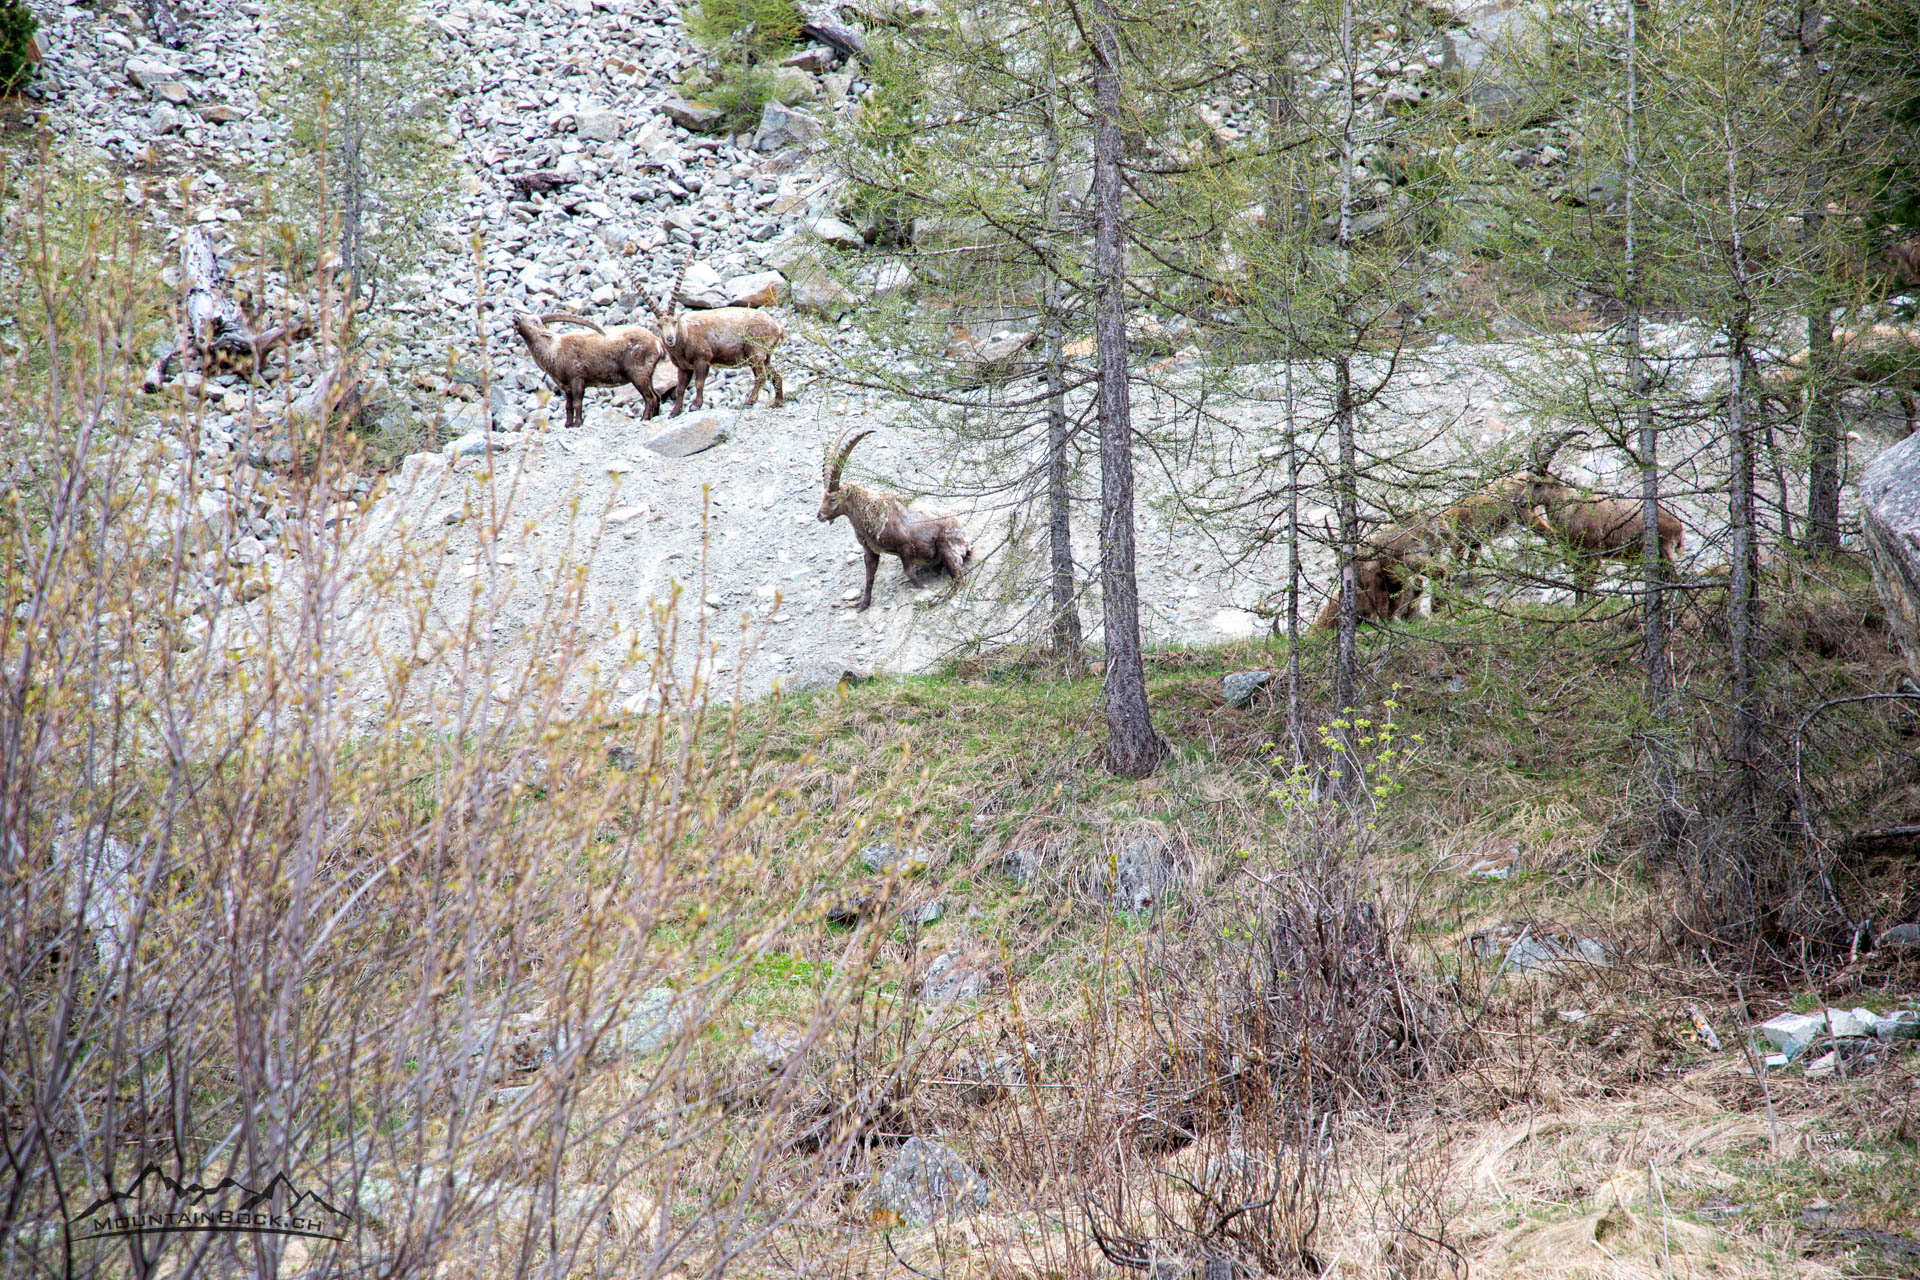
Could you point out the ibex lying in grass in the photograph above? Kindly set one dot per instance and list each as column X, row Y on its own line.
column 603, row 358
column 1882, row 356
column 1595, row 527
column 729, row 337
column 1397, row 556
column 887, row 524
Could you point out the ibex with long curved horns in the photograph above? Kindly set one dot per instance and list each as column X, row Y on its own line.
column 887, row 524
column 1591, row 526
column 728, row 337
column 604, row 358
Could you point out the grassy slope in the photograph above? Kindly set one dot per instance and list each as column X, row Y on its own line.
column 1528, row 737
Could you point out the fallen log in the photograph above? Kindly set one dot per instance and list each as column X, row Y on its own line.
column 214, row 332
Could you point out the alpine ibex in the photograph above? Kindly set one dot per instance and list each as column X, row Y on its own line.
column 604, row 358
column 1394, row 559
column 887, row 524
column 1595, row 527
column 728, row 337
column 1881, row 356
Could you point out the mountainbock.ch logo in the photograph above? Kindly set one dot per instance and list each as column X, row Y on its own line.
column 154, row 1204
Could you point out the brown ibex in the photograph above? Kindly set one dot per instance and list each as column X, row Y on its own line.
column 1397, row 556
column 887, row 524
column 604, row 358
column 1594, row 527
column 728, row 337
column 1881, row 356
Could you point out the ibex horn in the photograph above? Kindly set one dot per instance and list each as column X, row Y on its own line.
column 673, row 292
column 1543, row 453
column 843, row 452
column 557, row 317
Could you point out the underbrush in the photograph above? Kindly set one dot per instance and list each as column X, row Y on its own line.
column 303, row 882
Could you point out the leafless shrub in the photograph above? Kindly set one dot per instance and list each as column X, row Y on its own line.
column 307, row 903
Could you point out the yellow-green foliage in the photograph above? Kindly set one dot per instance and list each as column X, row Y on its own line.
column 745, row 31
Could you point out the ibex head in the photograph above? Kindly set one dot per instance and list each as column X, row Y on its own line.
column 668, row 316
column 833, row 503
column 1542, row 486
column 531, row 326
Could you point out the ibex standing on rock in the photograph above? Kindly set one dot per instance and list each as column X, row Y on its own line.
column 729, row 337
column 604, row 358
column 887, row 524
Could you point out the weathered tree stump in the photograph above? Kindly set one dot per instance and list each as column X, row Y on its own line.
column 215, row 333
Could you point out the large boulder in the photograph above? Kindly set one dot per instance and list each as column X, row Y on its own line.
column 782, row 127
column 760, row 289
column 703, row 287
column 694, row 117
column 1890, row 519
column 1001, row 358
column 691, row 435
column 1492, row 58
column 819, row 294
column 928, row 1182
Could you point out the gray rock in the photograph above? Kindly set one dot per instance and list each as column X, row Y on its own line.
column 1903, row 1024
column 886, row 859
column 1890, row 521
column 929, row 913
column 103, row 889
column 694, row 117
column 790, row 85
column 759, row 289
column 653, row 1023
column 928, row 1182
column 600, row 125
column 774, row 1049
column 1901, row 935
column 1535, row 954
column 821, row 672
column 947, row 980
column 703, row 288
column 1239, row 688
column 1144, row 874
column 692, row 435
column 474, row 443
column 1851, row 1023
column 1489, row 59
column 149, row 73
column 891, row 278
column 821, row 295
column 1792, row 1032
column 1020, row 865
column 995, row 360
column 815, row 58
column 832, row 231
column 1598, row 188
column 782, row 127
column 509, row 1096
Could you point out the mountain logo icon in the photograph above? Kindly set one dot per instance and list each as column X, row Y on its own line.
column 229, row 1205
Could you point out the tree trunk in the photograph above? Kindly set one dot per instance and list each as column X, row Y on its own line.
column 1280, row 111
column 1296, row 731
column 1346, row 497
column 1347, row 504
column 1743, row 582
column 1068, row 650
column 1134, row 750
column 1653, row 613
column 1822, row 419
column 1743, row 586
